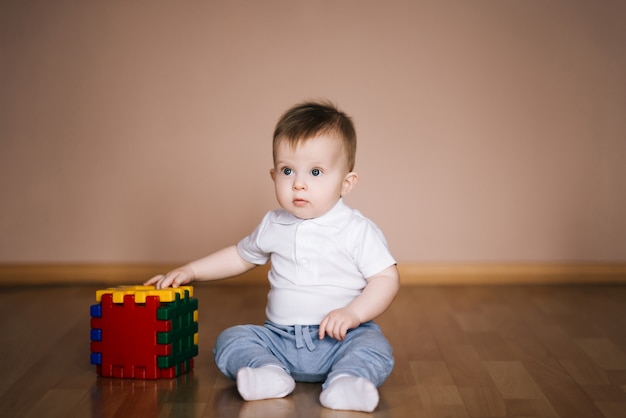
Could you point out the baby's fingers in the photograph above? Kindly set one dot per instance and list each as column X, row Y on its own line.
column 175, row 279
column 333, row 328
column 322, row 330
column 338, row 331
column 163, row 281
column 153, row 280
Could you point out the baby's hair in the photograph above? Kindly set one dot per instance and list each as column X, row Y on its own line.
column 310, row 119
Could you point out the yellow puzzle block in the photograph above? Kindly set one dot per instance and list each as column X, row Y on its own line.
column 141, row 292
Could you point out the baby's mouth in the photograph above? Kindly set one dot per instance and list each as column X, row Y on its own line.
column 300, row 202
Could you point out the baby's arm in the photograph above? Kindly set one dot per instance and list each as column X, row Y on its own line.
column 219, row 265
column 373, row 301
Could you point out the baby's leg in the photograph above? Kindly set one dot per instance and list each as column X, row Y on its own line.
column 243, row 354
column 362, row 363
column 264, row 383
column 350, row 393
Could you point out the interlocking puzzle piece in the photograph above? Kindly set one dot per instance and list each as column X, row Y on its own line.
column 148, row 340
column 141, row 292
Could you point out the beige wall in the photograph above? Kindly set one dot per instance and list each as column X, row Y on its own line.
column 139, row 131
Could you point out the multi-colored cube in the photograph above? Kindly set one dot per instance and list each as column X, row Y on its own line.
column 139, row 332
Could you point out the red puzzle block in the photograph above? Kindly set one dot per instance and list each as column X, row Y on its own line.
column 129, row 339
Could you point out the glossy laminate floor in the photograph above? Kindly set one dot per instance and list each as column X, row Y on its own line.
column 474, row 351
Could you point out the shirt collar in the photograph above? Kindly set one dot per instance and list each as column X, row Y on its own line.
column 335, row 217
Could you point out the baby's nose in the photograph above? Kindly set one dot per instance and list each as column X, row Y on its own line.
column 298, row 184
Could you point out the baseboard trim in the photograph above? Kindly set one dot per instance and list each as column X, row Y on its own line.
column 102, row 273
column 411, row 274
column 512, row 274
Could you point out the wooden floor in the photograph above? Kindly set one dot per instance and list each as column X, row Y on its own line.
column 460, row 352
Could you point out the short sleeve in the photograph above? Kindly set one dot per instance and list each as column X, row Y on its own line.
column 371, row 251
column 250, row 249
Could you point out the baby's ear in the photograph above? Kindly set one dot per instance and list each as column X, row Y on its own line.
column 349, row 182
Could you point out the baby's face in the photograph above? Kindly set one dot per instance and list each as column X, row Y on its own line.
column 310, row 178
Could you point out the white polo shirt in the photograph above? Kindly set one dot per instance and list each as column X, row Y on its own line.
column 319, row 264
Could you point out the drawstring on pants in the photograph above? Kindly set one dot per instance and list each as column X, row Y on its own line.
column 303, row 337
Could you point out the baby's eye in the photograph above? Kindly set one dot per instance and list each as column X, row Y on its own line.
column 316, row 172
column 287, row 171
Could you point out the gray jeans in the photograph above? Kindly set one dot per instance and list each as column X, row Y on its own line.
column 365, row 352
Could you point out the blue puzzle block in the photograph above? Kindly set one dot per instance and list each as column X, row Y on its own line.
column 96, row 311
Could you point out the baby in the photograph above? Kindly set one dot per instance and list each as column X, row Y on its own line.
column 331, row 274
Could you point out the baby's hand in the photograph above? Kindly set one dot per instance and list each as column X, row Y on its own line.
column 177, row 277
column 338, row 322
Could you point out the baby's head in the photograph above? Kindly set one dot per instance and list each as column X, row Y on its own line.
column 311, row 119
column 314, row 151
